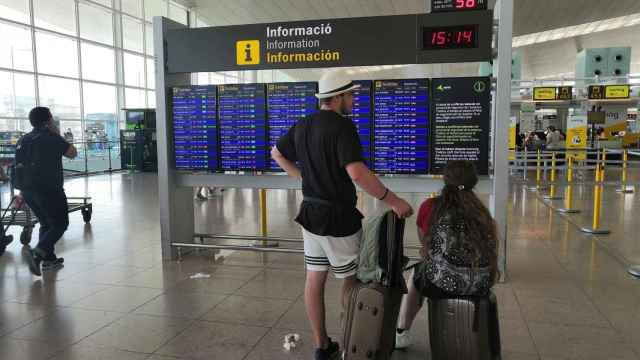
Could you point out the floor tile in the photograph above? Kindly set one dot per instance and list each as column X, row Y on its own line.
column 137, row 333
column 59, row 293
column 65, row 326
column 108, row 275
column 561, row 311
column 208, row 340
column 14, row 315
column 213, row 285
column 272, row 287
column 179, row 304
column 249, row 311
column 83, row 352
column 11, row 349
column 271, row 347
column 296, row 318
column 118, row 298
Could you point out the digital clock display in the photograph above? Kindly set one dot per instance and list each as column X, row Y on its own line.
column 450, row 37
column 457, row 5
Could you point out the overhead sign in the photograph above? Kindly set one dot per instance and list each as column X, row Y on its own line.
column 457, row 5
column 617, row 91
column 461, row 109
column 459, row 37
column 565, row 93
column 544, row 93
column 595, row 92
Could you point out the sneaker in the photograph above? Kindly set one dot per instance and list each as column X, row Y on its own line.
column 330, row 353
column 33, row 260
column 50, row 265
column 403, row 340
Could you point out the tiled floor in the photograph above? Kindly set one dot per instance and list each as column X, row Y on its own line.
column 567, row 296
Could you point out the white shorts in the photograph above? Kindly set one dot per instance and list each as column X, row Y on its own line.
column 338, row 253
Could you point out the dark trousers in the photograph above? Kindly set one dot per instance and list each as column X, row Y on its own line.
column 52, row 210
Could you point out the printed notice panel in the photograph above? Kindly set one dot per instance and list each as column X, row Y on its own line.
column 243, row 127
column 286, row 104
column 461, row 122
column 362, row 115
column 195, row 127
column 401, row 124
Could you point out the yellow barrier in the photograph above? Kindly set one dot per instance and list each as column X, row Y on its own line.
column 624, row 189
column 597, row 203
column 552, row 178
column 568, row 192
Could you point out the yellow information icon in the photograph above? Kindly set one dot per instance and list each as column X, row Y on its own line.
column 248, row 52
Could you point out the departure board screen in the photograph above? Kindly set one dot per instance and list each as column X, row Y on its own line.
column 286, row 104
column 195, row 127
column 362, row 115
column 401, row 123
column 242, row 121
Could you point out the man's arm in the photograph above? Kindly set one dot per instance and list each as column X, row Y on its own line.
column 361, row 175
column 286, row 164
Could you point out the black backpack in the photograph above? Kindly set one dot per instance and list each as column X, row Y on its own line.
column 25, row 167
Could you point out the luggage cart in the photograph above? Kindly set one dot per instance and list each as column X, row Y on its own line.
column 14, row 216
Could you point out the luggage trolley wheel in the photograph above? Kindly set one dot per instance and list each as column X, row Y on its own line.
column 4, row 241
column 86, row 214
column 25, row 235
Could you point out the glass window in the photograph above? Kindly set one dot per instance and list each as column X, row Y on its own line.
column 216, row 78
column 108, row 3
column 16, row 10
column 96, row 23
column 201, row 22
column 202, row 78
column 151, row 99
column 133, row 70
column 151, row 74
column 134, row 98
column 62, row 96
column 17, row 94
column 101, row 109
column 15, row 47
column 75, row 127
column 57, row 55
column 132, row 7
column 154, row 8
column 178, row 13
column 149, row 39
column 98, row 63
column 59, row 15
column 15, row 125
column 132, row 34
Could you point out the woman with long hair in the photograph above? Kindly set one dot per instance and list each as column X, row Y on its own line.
column 458, row 237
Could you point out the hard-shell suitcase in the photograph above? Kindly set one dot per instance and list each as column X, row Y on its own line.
column 372, row 310
column 464, row 328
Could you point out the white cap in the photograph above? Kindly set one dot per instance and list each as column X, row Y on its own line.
column 334, row 82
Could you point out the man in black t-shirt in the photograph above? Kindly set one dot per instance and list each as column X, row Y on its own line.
column 327, row 148
column 46, row 197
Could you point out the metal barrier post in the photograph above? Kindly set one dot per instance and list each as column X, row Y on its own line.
column 568, row 192
column 526, row 164
column 624, row 189
column 264, row 232
column 538, row 186
column 597, row 204
column 552, row 188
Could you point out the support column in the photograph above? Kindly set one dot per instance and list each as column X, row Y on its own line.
column 504, row 11
column 175, row 202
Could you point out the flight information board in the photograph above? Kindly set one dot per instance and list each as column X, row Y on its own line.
column 242, row 121
column 195, row 127
column 362, row 116
column 401, row 123
column 286, row 104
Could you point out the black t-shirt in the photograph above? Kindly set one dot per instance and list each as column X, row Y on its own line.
column 48, row 149
column 323, row 144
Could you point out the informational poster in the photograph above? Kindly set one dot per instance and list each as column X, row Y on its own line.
column 286, row 104
column 576, row 142
column 362, row 116
column 195, row 127
column 461, row 122
column 242, row 120
column 401, row 126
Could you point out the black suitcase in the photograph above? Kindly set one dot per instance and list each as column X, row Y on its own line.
column 464, row 328
column 372, row 312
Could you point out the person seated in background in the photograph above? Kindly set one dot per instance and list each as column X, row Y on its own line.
column 459, row 247
column 532, row 142
column 555, row 140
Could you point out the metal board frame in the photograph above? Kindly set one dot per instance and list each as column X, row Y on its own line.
column 176, row 187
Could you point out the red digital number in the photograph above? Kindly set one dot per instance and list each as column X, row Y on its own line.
column 465, row 4
column 467, row 36
column 440, row 38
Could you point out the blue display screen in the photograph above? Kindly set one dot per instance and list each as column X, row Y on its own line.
column 286, row 104
column 362, row 115
column 242, row 121
column 401, row 123
column 195, row 127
